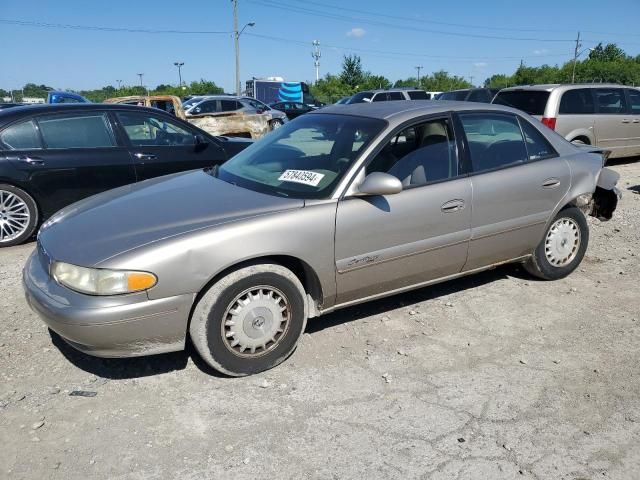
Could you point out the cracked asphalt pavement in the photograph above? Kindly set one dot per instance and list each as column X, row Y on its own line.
column 494, row 376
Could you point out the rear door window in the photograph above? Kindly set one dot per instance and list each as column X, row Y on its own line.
column 418, row 95
column 610, row 100
column 229, row 105
column 459, row 95
column 380, row 97
column 577, row 101
column 396, row 96
column 538, row 147
column 76, row 131
column 495, row 140
column 149, row 130
column 532, row 102
column 634, row 100
column 479, row 96
column 21, row 136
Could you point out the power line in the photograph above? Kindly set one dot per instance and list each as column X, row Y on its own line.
column 336, row 16
column 26, row 23
column 449, row 24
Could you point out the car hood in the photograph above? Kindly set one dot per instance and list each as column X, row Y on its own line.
column 119, row 220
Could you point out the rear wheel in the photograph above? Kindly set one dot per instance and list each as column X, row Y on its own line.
column 18, row 215
column 250, row 320
column 276, row 123
column 563, row 246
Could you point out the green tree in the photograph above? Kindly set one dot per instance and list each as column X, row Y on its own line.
column 372, row 82
column 330, row 89
column 352, row 73
column 609, row 53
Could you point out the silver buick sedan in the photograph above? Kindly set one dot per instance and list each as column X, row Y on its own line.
column 341, row 206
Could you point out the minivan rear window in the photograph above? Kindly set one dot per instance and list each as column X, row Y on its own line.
column 418, row 95
column 531, row 101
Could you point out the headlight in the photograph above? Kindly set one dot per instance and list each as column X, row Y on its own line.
column 101, row 281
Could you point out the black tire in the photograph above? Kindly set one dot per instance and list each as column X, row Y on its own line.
column 16, row 235
column 211, row 335
column 276, row 123
column 545, row 262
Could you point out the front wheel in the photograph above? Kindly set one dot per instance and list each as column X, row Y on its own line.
column 18, row 215
column 276, row 123
column 562, row 248
column 250, row 320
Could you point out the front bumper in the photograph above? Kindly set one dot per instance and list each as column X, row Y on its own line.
column 116, row 326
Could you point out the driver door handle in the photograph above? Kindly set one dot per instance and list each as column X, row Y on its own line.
column 551, row 183
column 144, row 156
column 452, row 206
column 27, row 159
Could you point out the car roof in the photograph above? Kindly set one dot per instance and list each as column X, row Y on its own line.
column 547, row 87
column 25, row 111
column 400, row 109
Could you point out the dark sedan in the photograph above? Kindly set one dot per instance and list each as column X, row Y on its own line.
column 54, row 155
column 292, row 109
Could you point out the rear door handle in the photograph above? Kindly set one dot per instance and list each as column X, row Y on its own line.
column 144, row 156
column 27, row 159
column 551, row 183
column 452, row 206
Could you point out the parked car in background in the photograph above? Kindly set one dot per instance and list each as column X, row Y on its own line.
column 210, row 117
column 54, row 96
column 387, row 95
column 343, row 205
column 481, row 95
column 54, row 155
column 278, row 118
column 292, row 109
column 607, row 116
column 343, row 100
column 433, row 95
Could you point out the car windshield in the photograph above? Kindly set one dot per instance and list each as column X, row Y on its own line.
column 303, row 159
column 459, row 95
column 531, row 101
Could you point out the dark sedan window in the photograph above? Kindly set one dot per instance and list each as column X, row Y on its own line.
column 149, row 130
column 495, row 141
column 460, row 95
column 76, row 131
column 418, row 95
column 21, row 136
column 481, row 96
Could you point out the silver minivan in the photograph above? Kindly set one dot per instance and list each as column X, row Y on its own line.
column 607, row 116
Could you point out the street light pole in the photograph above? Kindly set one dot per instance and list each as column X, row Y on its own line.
column 418, row 68
column 236, row 40
column 179, row 65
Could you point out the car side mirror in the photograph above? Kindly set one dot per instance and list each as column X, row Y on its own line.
column 379, row 183
column 200, row 143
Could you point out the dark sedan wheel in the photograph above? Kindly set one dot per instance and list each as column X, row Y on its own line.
column 250, row 320
column 563, row 246
column 18, row 215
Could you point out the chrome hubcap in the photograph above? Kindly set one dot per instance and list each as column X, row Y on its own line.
column 255, row 321
column 14, row 216
column 562, row 242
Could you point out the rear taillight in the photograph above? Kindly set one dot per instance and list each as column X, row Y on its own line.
column 549, row 122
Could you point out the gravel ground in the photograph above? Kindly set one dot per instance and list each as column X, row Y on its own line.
column 495, row 376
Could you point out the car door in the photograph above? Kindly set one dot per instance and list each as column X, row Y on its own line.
column 517, row 179
column 160, row 145
column 76, row 155
column 612, row 121
column 633, row 96
column 391, row 242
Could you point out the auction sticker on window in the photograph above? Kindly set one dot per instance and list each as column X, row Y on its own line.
column 301, row 176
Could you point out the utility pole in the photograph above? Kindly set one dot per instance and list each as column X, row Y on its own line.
column 418, row 68
column 236, row 40
column 315, row 54
column 119, row 84
column 140, row 75
column 471, row 80
column 575, row 58
column 179, row 65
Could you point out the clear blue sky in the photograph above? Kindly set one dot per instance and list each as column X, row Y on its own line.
column 391, row 38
